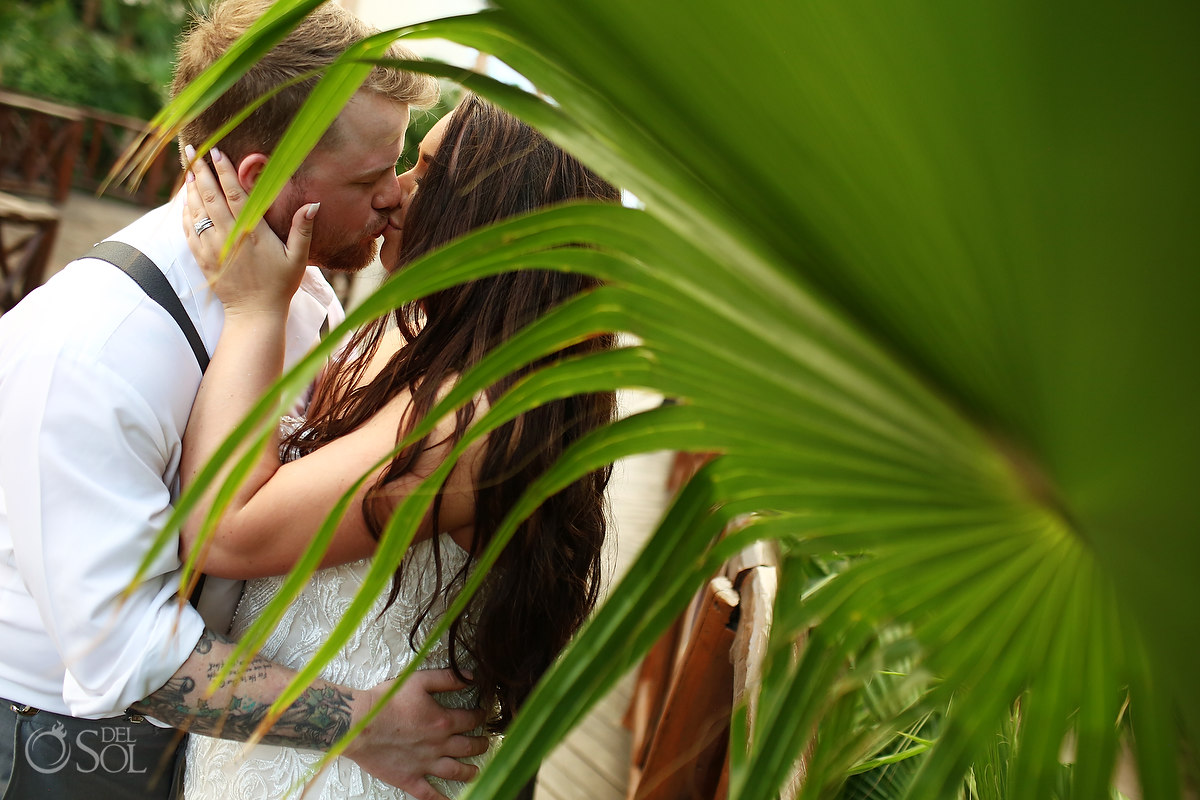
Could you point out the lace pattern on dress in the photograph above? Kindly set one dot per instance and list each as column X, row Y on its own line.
column 377, row 651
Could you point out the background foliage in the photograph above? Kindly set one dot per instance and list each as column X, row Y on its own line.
column 108, row 54
column 925, row 276
column 421, row 121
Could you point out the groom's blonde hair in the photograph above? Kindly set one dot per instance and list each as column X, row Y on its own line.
column 314, row 44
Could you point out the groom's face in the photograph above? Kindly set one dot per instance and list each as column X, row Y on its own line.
column 352, row 174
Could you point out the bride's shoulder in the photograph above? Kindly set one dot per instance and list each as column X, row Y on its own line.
column 390, row 343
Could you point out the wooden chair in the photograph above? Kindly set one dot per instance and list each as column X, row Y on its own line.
column 689, row 683
column 684, row 756
column 39, row 145
column 27, row 233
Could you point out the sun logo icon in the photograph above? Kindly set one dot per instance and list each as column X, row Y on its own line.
column 50, row 738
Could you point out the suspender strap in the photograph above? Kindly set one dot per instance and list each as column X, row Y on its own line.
column 138, row 266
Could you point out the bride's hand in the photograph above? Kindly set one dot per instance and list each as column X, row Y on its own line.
column 259, row 272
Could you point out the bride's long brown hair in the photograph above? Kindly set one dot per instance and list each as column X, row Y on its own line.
column 490, row 166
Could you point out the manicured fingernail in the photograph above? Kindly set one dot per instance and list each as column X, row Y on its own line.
column 190, row 177
column 190, row 152
column 312, row 210
column 216, row 154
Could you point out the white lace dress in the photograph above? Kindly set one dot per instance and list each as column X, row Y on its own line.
column 377, row 651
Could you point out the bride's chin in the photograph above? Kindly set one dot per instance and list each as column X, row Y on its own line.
column 389, row 253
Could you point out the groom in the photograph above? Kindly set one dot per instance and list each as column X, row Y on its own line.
column 96, row 383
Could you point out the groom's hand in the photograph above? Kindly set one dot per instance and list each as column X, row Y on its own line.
column 414, row 736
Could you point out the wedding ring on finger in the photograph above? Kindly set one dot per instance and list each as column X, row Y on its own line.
column 203, row 225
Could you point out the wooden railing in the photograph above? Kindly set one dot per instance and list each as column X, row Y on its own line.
column 48, row 148
column 105, row 137
column 38, row 145
column 39, row 142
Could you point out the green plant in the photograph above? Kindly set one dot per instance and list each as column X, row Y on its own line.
column 923, row 273
column 106, row 54
column 422, row 121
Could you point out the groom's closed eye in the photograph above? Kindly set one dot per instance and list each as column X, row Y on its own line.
column 371, row 178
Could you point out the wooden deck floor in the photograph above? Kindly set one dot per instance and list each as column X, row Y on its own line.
column 85, row 221
column 592, row 763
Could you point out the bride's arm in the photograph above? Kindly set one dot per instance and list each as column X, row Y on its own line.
column 278, row 509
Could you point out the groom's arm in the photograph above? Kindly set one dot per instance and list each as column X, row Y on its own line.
column 412, row 737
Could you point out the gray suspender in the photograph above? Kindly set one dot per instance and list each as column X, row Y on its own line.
column 138, row 266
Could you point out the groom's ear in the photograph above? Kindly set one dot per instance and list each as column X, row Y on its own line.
column 248, row 170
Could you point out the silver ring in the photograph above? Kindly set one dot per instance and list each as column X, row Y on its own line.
column 203, row 225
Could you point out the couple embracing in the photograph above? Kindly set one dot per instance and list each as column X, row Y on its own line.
column 98, row 428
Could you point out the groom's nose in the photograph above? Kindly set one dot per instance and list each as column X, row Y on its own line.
column 389, row 194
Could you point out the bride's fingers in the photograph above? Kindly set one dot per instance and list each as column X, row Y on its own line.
column 207, row 197
column 230, row 185
column 204, row 241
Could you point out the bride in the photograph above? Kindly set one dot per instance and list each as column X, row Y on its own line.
column 476, row 166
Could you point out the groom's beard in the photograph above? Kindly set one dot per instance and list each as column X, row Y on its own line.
column 349, row 257
column 341, row 254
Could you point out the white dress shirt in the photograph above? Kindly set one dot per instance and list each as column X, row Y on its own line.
column 96, row 383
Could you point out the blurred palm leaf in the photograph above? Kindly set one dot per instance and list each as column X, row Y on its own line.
column 924, row 274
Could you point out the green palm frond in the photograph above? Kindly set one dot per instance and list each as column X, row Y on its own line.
column 923, row 274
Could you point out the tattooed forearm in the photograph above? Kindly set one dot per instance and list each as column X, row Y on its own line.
column 319, row 717
column 238, row 705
